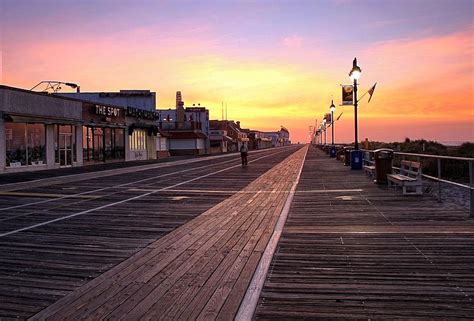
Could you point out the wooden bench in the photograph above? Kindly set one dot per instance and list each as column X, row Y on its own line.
column 369, row 166
column 409, row 178
column 369, row 170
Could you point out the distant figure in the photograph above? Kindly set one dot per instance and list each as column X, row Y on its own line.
column 243, row 154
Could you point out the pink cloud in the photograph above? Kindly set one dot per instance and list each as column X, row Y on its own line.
column 293, row 41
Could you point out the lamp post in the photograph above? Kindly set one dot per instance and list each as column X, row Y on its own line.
column 356, row 155
column 332, row 151
column 324, row 126
column 332, row 108
column 355, row 75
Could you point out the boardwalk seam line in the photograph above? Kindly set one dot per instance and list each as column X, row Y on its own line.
column 249, row 303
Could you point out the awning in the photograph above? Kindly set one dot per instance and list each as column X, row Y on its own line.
column 41, row 120
column 105, row 125
column 220, row 138
column 163, row 133
column 151, row 129
column 216, row 137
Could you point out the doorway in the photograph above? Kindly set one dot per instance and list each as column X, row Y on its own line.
column 65, row 149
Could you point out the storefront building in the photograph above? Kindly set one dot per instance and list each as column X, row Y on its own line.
column 219, row 141
column 103, row 133
column 38, row 131
column 142, row 134
column 162, row 144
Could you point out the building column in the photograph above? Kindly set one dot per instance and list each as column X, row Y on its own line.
column 79, row 140
column 151, row 146
column 50, row 144
column 127, row 145
column 3, row 147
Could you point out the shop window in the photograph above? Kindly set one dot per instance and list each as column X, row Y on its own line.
column 101, row 144
column 56, row 143
column 216, row 143
column 109, row 140
column 161, row 143
column 119, row 143
column 137, row 140
column 25, row 144
column 98, row 143
column 36, row 144
column 86, row 143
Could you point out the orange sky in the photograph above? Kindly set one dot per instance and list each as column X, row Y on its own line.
column 267, row 78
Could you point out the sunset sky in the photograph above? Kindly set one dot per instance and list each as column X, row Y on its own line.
column 273, row 62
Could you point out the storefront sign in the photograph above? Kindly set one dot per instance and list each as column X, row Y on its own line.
column 141, row 113
column 196, row 109
column 107, row 111
column 93, row 113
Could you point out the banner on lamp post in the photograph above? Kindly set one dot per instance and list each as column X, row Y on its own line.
column 347, row 95
column 327, row 116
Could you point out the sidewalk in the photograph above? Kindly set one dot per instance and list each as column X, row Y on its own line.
column 21, row 180
column 201, row 270
column 15, row 181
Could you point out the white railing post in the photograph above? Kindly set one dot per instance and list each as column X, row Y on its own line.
column 439, row 179
column 471, row 186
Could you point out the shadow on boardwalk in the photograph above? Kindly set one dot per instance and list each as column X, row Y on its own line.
column 368, row 254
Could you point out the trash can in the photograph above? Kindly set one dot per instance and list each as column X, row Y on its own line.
column 332, row 151
column 347, row 155
column 383, row 165
column 356, row 159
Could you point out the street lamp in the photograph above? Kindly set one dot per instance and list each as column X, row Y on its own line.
column 332, row 108
column 355, row 75
column 356, row 155
column 332, row 151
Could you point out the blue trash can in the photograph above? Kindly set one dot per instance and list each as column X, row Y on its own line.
column 332, row 151
column 356, row 159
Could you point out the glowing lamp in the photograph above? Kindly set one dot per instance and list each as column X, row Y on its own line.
column 356, row 71
column 332, row 108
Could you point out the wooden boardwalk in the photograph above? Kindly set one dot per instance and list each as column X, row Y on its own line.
column 41, row 265
column 198, row 271
column 353, row 250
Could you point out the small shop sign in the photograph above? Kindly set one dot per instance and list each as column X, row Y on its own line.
column 141, row 113
column 107, row 111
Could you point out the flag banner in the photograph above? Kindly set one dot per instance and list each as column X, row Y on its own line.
column 347, row 94
column 371, row 91
column 327, row 116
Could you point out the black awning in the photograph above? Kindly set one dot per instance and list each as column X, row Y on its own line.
column 151, row 129
column 105, row 125
column 39, row 119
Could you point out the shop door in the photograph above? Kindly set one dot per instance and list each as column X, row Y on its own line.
column 65, row 150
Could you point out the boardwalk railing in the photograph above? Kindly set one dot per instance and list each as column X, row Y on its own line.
column 463, row 181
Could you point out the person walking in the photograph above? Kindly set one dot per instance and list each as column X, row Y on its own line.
column 243, row 154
